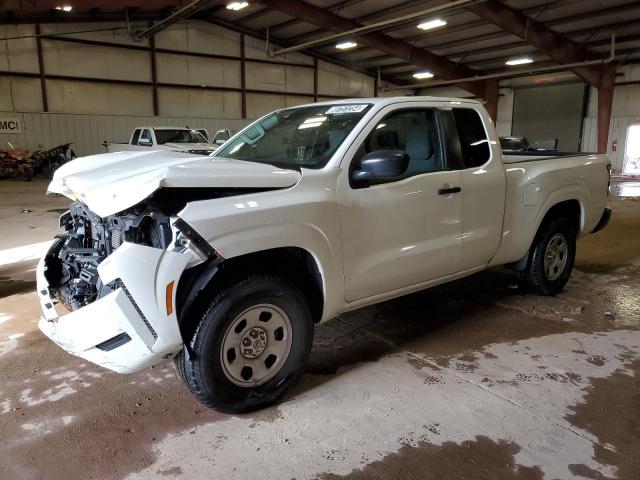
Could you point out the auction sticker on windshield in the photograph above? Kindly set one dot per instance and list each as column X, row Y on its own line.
column 346, row 109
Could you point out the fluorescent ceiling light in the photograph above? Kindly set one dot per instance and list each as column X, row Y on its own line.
column 65, row 8
column 519, row 61
column 422, row 75
column 346, row 45
column 312, row 122
column 237, row 5
column 431, row 24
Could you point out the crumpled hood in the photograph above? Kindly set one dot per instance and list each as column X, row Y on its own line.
column 191, row 146
column 112, row 182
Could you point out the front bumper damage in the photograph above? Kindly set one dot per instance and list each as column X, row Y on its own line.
column 133, row 327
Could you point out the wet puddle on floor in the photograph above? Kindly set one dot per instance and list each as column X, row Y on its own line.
column 625, row 189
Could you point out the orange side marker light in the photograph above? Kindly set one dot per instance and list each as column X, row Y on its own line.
column 170, row 298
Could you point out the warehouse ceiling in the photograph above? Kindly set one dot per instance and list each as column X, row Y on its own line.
column 479, row 37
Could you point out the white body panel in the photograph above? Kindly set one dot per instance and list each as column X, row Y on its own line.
column 369, row 244
column 109, row 183
column 154, row 333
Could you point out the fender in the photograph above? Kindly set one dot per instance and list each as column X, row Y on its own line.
column 304, row 236
column 245, row 224
column 530, row 217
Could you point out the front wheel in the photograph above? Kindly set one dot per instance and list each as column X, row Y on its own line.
column 552, row 256
column 250, row 346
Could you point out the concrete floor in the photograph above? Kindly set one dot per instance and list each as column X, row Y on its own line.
column 474, row 380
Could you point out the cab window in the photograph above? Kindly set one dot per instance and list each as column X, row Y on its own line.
column 473, row 137
column 413, row 131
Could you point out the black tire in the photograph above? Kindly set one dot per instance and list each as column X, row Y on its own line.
column 534, row 276
column 200, row 365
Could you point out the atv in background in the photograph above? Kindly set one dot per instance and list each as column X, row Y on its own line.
column 46, row 162
column 16, row 163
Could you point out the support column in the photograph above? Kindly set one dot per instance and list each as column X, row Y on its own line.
column 154, row 75
column 491, row 95
column 605, row 103
column 243, row 76
column 376, row 83
column 43, row 79
column 315, row 79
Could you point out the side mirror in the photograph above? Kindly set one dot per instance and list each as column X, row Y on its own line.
column 145, row 142
column 219, row 141
column 380, row 166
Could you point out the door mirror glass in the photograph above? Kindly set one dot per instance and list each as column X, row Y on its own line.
column 380, row 166
column 145, row 142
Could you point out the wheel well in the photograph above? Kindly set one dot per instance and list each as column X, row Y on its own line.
column 292, row 263
column 569, row 209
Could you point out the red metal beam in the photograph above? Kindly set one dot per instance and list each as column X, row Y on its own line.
column 335, row 8
column 440, row 66
column 553, row 44
column 605, row 104
column 491, row 95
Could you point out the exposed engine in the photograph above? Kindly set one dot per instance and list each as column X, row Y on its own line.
column 72, row 262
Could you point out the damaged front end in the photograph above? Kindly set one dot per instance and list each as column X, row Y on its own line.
column 117, row 278
column 71, row 264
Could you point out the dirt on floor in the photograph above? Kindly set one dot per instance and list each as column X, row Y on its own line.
column 475, row 379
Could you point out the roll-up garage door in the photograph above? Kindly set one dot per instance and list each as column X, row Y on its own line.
column 545, row 113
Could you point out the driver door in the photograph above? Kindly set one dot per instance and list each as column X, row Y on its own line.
column 406, row 231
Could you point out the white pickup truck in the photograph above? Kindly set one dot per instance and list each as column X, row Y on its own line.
column 226, row 263
column 165, row 138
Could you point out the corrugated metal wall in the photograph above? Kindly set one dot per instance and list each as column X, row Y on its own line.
column 88, row 132
column 111, row 90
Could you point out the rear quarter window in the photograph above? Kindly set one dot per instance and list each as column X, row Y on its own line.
column 473, row 137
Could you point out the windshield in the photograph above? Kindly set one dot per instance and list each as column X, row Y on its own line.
column 179, row 135
column 305, row 136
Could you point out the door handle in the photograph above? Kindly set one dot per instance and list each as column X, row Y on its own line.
column 449, row 190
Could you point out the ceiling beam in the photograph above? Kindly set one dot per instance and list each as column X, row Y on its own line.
column 381, row 25
column 43, row 6
column 413, row 5
column 335, row 8
column 555, row 45
column 396, row 10
column 440, row 66
column 182, row 14
column 534, row 12
column 312, row 53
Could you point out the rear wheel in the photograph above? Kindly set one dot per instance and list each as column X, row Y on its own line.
column 552, row 257
column 249, row 347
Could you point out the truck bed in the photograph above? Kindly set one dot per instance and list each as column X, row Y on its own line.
column 514, row 157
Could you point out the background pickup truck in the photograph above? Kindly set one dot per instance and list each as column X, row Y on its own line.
column 226, row 263
column 165, row 138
